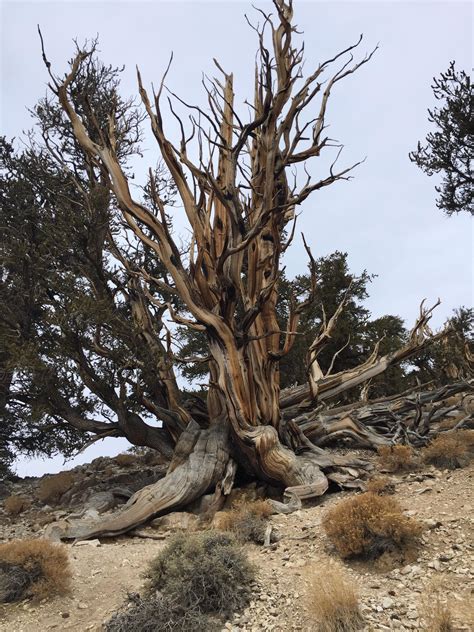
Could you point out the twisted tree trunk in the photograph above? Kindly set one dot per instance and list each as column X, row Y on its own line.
column 239, row 196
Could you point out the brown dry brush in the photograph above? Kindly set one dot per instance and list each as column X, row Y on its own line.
column 369, row 525
column 450, row 450
column 380, row 485
column 247, row 520
column 436, row 611
column 15, row 505
column 33, row 568
column 52, row 488
column 438, row 617
column 396, row 458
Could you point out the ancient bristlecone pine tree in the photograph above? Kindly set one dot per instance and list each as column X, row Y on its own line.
column 235, row 181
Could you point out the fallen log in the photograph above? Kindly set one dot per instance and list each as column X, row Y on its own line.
column 412, row 418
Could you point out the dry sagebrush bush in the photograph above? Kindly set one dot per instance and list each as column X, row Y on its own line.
column 396, row 458
column 126, row 460
column 15, row 505
column 52, row 488
column 333, row 602
column 369, row 525
column 33, row 568
column 247, row 520
column 450, row 450
column 380, row 485
column 205, row 571
column 161, row 614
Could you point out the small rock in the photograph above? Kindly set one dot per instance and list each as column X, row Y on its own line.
column 101, row 502
column 56, row 530
column 90, row 514
column 435, row 564
column 93, row 543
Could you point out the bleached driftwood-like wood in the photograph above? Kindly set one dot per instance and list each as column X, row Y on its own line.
column 412, row 418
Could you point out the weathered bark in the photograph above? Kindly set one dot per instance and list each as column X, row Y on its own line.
column 202, row 461
column 412, row 418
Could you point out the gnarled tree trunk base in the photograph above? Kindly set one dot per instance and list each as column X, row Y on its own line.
column 202, row 461
column 204, row 458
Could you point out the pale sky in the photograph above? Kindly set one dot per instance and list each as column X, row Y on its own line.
column 385, row 218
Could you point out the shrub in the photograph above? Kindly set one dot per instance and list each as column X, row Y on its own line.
column 396, row 458
column 450, row 450
column 32, row 568
column 333, row 602
column 53, row 487
column 369, row 525
column 436, row 613
column 247, row 520
column 126, row 460
column 438, row 617
column 160, row 614
column 205, row 571
column 380, row 485
column 15, row 581
column 15, row 505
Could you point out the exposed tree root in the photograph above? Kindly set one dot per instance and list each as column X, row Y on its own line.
column 205, row 466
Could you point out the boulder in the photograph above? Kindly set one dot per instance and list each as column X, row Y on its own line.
column 56, row 530
column 101, row 501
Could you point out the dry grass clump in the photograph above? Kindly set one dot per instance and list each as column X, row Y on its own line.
column 438, row 617
column 380, row 485
column 52, row 488
column 205, row 571
column 396, row 458
column 32, row 568
column 369, row 525
column 15, row 505
column 333, row 602
column 126, row 460
column 450, row 450
column 247, row 520
column 436, row 613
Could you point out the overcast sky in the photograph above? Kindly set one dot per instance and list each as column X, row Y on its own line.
column 386, row 217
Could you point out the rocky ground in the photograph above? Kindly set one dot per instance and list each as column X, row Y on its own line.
column 391, row 598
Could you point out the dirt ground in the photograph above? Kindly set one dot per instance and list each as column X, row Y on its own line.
column 391, row 599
